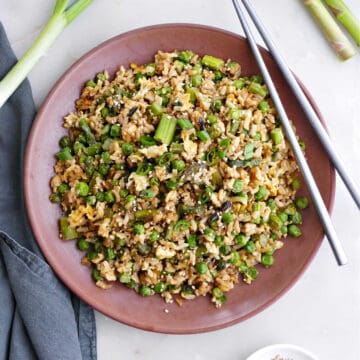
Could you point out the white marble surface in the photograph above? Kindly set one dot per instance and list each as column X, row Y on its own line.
column 322, row 311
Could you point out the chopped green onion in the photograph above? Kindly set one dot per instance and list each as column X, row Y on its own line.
column 185, row 124
column 203, row 135
column 205, row 195
column 144, row 168
column 147, row 140
column 165, row 159
column 182, row 225
column 147, row 194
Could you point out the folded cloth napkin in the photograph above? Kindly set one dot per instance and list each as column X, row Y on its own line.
column 39, row 317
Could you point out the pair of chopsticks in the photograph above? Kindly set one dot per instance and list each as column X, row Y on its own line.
column 324, row 216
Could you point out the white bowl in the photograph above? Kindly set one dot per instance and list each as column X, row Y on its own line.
column 286, row 351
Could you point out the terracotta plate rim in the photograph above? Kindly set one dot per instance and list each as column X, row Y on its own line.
column 47, row 253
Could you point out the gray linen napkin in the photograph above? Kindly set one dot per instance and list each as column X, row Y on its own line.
column 39, row 317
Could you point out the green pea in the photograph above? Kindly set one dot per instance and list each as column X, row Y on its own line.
column 296, row 218
column 100, row 196
column 171, row 184
column 91, row 255
column 65, row 142
column 294, row 230
column 261, row 193
column 250, row 246
column 227, row 217
column 283, row 216
column 55, row 198
column 109, row 254
column 296, row 184
column 127, row 148
column 235, row 257
column 271, row 203
column 124, row 278
column 217, row 293
column 160, row 287
column 283, row 229
column 91, row 83
column 264, row 106
column 267, row 260
column 196, row 80
column 96, row 275
column 302, row 202
column 239, row 84
column 201, row 267
column 252, row 272
column 64, row 154
column 212, row 119
column 90, row 200
column 192, row 241
column 225, row 250
column 145, row 290
column 237, row 186
column 178, row 165
column 219, row 241
column 82, row 244
column 109, row 197
column 154, row 236
column 82, row 188
column 105, row 112
column 241, row 239
column 115, row 130
column 139, row 229
column 104, row 169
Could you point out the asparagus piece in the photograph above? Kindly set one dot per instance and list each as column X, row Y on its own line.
column 346, row 18
column 338, row 41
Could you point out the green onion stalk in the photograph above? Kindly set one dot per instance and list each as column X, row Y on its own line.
column 337, row 39
column 61, row 17
column 346, row 18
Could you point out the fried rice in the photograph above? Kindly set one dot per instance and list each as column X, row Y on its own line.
column 175, row 177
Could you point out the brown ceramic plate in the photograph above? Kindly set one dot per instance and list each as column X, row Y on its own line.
column 123, row 304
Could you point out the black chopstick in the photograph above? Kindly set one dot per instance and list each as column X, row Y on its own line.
column 329, row 230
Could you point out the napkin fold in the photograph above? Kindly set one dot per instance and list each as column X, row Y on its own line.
column 39, row 317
